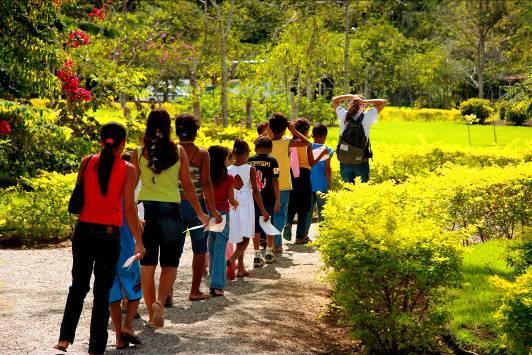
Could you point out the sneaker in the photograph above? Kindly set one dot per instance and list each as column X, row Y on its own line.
column 287, row 232
column 258, row 261
column 269, row 257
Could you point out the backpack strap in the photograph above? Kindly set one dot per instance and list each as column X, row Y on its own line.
column 84, row 167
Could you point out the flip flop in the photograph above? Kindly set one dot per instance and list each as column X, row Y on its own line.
column 216, row 292
column 125, row 346
column 60, row 348
column 133, row 339
column 202, row 297
column 246, row 274
column 169, row 301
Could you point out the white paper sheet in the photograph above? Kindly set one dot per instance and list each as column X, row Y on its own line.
column 268, row 227
column 130, row 260
column 217, row 227
column 193, row 228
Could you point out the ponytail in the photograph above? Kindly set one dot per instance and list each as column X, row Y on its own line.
column 111, row 136
column 162, row 151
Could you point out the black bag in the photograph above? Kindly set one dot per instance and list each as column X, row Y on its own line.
column 353, row 146
column 77, row 199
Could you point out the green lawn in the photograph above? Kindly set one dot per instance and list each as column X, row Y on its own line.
column 473, row 323
column 440, row 132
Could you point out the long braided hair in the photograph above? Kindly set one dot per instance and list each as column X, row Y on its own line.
column 162, row 151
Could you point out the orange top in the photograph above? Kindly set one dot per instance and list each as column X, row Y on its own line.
column 302, row 156
column 101, row 209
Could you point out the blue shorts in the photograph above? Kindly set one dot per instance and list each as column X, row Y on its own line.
column 190, row 219
column 126, row 284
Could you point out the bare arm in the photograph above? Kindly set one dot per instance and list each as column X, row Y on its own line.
column 379, row 103
column 310, row 156
column 231, row 197
column 130, row 209
column 135, row 162
column 337, row 100
column 328, row 172
column 206, row 185
column 303, row 140
column 256, row 193
column 277, row 195
column 188, row 188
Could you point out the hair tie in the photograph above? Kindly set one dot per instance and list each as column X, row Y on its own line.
column 110, row 141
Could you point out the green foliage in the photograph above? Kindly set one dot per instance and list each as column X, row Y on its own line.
column 36, row 143
column 520, row 252
column 515, row 312
column 37, row 212
column 519, row 112
column 30, row 48
column 480, row 108
column 389, row 266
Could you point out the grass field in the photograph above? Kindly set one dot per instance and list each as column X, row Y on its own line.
column 440, row 132
column 473, row 323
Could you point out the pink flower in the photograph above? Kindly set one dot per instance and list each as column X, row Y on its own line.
column 97, row 13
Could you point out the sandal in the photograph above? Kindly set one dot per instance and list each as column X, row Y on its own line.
column 158, row 318
column 60, row 348
column 301, row 241
column 245, row 274
column 201, row 297
column 125, row 346
column 215, row 292
column 129, row 338
column 169, row 301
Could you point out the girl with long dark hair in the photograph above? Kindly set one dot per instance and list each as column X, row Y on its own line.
column 163, row 168
column 186, row 129
column 109, row 185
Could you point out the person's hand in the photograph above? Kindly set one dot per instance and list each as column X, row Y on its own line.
column 139, row 249
column 235, row 204
column 277, row 207
column 204, row 219
column 266, row 216
column 142, row 225
column 217, row 217
column 291, row 126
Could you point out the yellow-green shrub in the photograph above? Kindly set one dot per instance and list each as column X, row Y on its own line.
column 38, row 212
column 422, row 114
column 515, row 313
column 388, row 267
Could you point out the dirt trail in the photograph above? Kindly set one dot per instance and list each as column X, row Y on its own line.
column 274, row 311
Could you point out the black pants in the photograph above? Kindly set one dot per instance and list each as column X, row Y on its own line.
column 94, row 246
column 300, row 198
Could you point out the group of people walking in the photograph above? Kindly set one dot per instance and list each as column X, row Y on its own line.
column 139, row 207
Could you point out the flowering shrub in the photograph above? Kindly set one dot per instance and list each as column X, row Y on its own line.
column 5, row 128
column 70, row 82
column 77, row 38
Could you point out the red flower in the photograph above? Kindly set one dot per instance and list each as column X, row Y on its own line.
column 97, row 13
column 78, row 38
column 70, row 82
column 5, row 128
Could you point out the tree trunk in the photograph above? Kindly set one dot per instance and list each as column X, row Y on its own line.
column 249, row 105
column 196, row 109
column 225, row 31
column 346, row 47
column 481, row 61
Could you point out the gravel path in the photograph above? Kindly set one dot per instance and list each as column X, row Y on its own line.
column 274, row 311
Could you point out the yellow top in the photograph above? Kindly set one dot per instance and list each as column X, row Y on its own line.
column 163, row 187
column 302, row 156
column 280, row 151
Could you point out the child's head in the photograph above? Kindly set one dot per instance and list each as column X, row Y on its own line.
column 240, row 151
column 219, row 157
column 278, row 124
column 126, row 156
column 319, row 133
column 186, row 127
column 302, row 125
column 262, row 127
column 263, row 145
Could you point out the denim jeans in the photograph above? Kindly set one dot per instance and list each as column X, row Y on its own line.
column 350, row 172
column 279, row 219
column 317, row 201
column 163, row 234
column 94, row 247
column 190, row 219
column 218, row 262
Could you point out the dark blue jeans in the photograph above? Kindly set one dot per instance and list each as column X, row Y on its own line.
column 190, row 219
column 94, row 247
column 350, row 172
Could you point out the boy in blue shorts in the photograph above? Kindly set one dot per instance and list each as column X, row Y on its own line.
column 126, row 285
